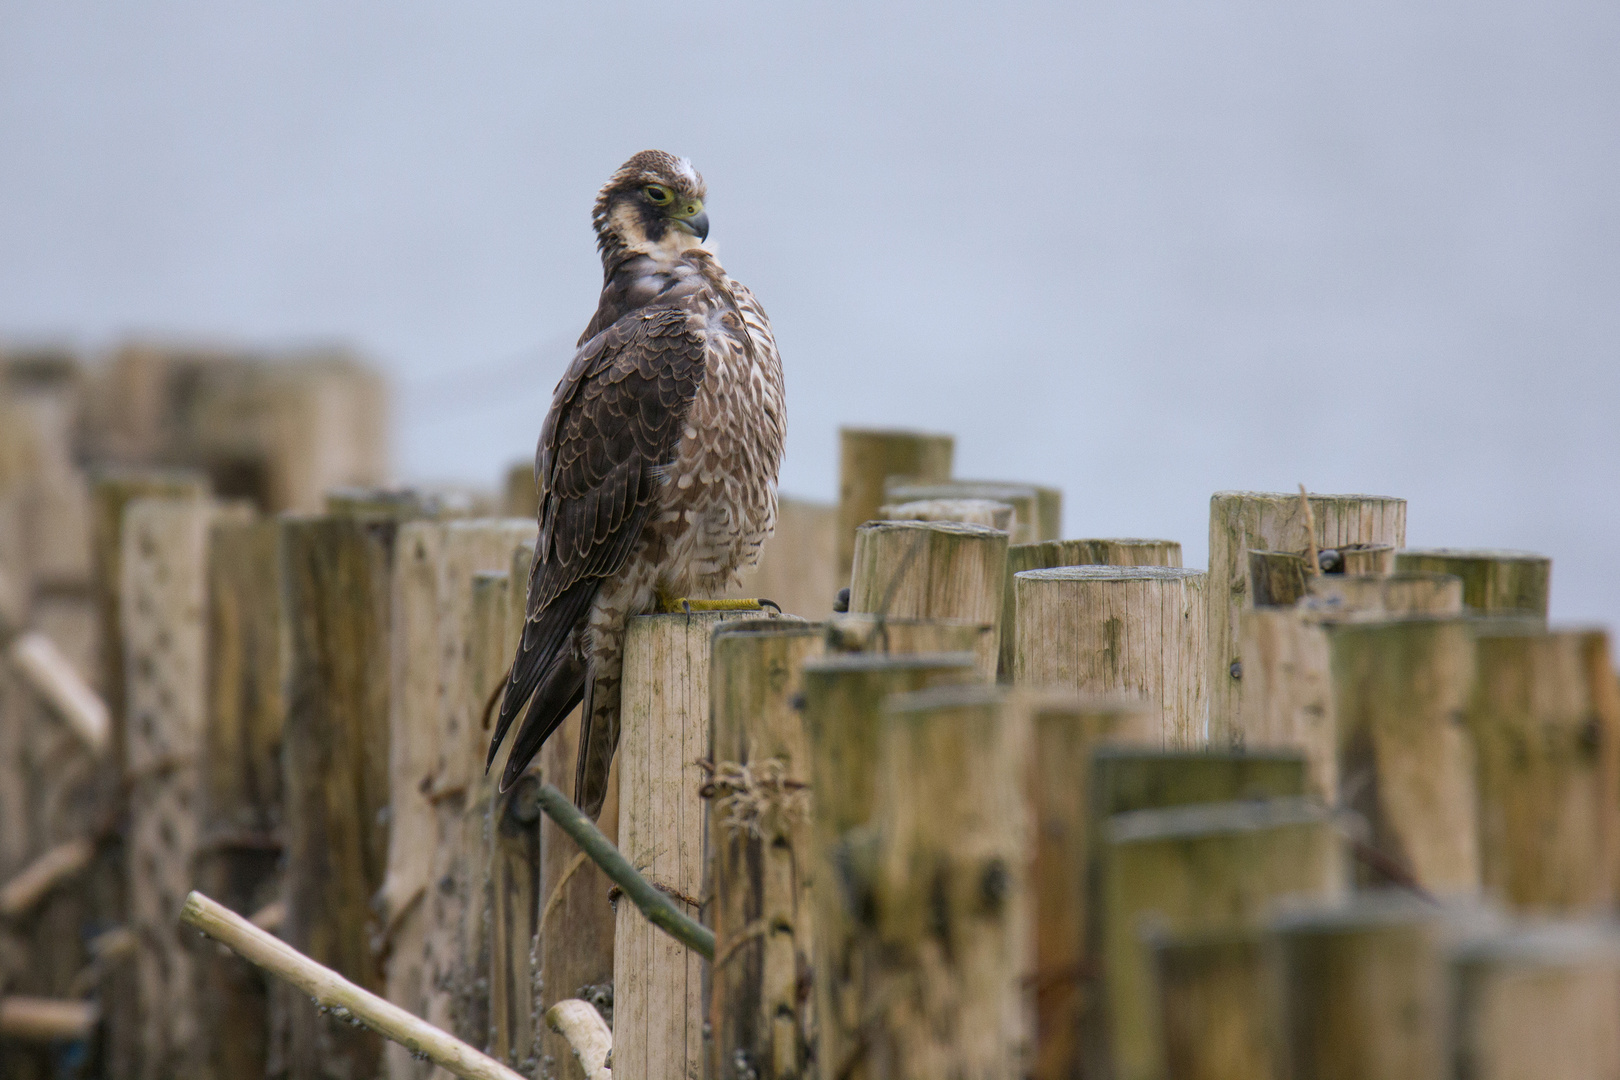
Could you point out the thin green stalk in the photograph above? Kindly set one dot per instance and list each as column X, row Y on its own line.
column 659, row 909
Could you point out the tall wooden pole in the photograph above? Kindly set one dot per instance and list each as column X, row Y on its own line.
column 866, row 460
column 1118, row 630
column 760, row 851
column 658, row 1014
column 1242, row 521
column 1046, row 554
column 843, row 710
column 1494, row 582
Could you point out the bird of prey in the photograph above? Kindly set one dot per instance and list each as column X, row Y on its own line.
column 657, row 461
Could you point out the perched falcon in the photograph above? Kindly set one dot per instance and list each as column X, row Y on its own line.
column 657, row 461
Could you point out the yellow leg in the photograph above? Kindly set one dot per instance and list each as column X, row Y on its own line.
column 667, row 604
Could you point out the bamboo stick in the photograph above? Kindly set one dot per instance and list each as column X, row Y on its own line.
column 1241, row 521
column 1494, row 582
column 337, row 996
column 866, row 460
column 58, row 683
column 587, row 1034
column 35, row 1019
column 1118, row 630
column 844, row 698
column 759, row 850
column 1046, row 554
column 35, row 881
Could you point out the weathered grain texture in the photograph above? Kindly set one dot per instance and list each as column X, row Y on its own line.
column 338, row 573
column 797, row 564
column 1542, row 1003
column 1065, row 730
column 931, row 570
column 1241, row 521
column 949, row 891
column 1037, row 511
column 1406, row 763
column 1045, row 554
column 1494, row 582
column 1118, row 630
column 520, row 495
column 1546, row 730
column 1365, row 559
column 163, row 602
column 866, row 460
column 657, row 982
column 1287, row 695
column 759, row 851
column 992, row 515
column 438, row 863
column 1214, row 1009
column 1277, row 578
column 844, row 697
column 241, row 812
column 1362, row 992
column 1197, row 870
column 846, row 633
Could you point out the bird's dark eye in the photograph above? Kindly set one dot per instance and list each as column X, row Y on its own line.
column 658, row 195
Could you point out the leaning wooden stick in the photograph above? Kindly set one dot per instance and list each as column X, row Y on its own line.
column 587, row 1033
column 341, row 997
column 54, row 679
column 653, row 904
column 31, row 885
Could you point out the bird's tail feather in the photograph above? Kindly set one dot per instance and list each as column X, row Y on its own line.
column 560, row 690
column 538, row 665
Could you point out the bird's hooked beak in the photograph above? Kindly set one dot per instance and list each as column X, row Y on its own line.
column 693, row 219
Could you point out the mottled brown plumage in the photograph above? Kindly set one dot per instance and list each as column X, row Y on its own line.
column 657, row 461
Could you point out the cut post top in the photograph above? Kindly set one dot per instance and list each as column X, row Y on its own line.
column 1209, row 819
column 1372, row 910
column 1293, row 496
column 1480, row 554
column 1110, row 573
column 842, row 663
column 960, row 528
column 776, row 626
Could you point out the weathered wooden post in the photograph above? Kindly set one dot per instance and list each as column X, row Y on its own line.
column 1362, row 992
column 163, row 607
column 759, row 850
column 1046, row 554
column 1406, row 764
column 1065, row 730
column 796, row 566
column 1287, row 699
column 1542, row 1002
column 657, row 982
column 1214, row 1009
column 1037, row 511
column 437, row 856
column 1545, row 721
column 1242, row 521
column 1199, row 869
column 844, row 698
column 931, row 570
column 1277, row 578
column 1118, row 630
column 866, row 459
column 335, row 767
column 1494, row 582
column 992, row 515
column 241, row 809
column 949, row 891
column 847, row 633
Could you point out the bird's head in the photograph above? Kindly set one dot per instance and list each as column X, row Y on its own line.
column 652, row 205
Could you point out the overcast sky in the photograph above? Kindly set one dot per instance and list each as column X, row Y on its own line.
column 1141, row 251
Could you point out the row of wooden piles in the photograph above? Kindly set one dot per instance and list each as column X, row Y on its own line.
column 1166, row 849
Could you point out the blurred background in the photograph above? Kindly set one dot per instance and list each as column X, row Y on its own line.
column 1143, row 253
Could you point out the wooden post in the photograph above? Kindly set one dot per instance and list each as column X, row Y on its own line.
column 1241, row 521
column 1065, row 731
column 338, row 571
column 1546, row 728
column 1214, row 1007
column 1365, row 559
column 164, row 621
column 1287, row 694
column 866, row 460
column 1362, row 992
column 796, row 566
column 1046, row 554
column 949, row 891
column 520, row 495
column 658, row 983
column 241, row 808
column 1037, row 513
column 1112, row 630
column 1277, row 578
column 843, row 709
column 1405, row 761
column 1496, row 582
column 759, row 851
column 1199, row 869
column 931, row 570
column 898, row 637
column 437, row 862
column 1542, row 1002
column 992, row 515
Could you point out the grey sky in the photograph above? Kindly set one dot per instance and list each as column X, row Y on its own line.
column 1143, row 251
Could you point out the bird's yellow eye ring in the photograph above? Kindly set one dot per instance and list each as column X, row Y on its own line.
column 658, row 194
